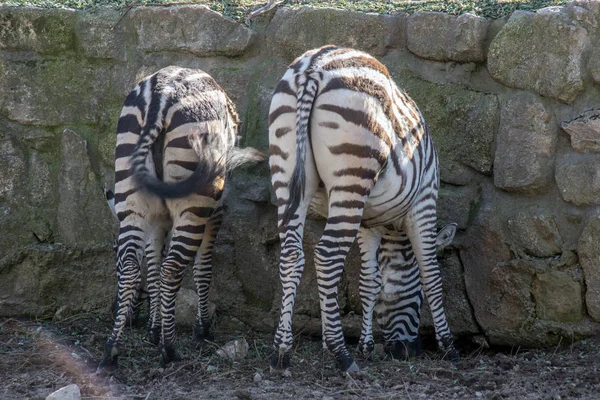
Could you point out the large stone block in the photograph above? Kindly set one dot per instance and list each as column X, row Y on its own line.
column 584, row 131
column 463, row 124
column 37, row 280
column 541, row 52
column 457, row 204
column 578, row 178
column 589, row 257
column 535, row 234
column 100, row 34
column 557, row 297
column 45, row 31
column 525, row 146
column 194, row 29
column 82, row 215
column 444, row 37
column 54, row 91
column 292, row 32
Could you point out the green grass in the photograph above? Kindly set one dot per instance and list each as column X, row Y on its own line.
column 238, row 9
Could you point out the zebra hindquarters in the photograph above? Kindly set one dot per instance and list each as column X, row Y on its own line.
column 398, row 308
column 282, row 161
column 203, row 275
column 420, row 226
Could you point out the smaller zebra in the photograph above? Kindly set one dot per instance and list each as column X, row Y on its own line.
column 175, row 144
column 398, row 306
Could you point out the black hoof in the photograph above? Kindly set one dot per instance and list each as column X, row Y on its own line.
column 280, row 362
column 167, row 355
column 202, row 333
column 154, row 335
column 449, row 350
column 110, row 363
column 347, row 363
column 402, row 349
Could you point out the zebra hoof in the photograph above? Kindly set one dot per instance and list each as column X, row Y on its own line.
column 202, row 333
column 353, row 368
column 452, row 355
column 403, row 349
column 167, row 355
column 110, row 363
column 280, row 363
column 347, row 363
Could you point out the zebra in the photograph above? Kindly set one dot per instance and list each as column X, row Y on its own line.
column 338, row 121
column 398, row 305
column 176, row 139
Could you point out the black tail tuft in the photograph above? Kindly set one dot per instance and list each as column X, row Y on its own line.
column 296, row 189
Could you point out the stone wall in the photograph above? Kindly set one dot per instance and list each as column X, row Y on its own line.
column 513, row 105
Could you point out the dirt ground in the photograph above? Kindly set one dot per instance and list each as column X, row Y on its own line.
column 39, row 357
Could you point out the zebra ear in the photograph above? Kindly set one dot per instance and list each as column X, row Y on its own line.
column 445, row 236
column 110, row 199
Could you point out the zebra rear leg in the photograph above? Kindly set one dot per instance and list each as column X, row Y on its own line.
column 203, row 276
column 154, row 256
column 188, row 232
column 129, row 279
column 422, row 234
column 370, row 286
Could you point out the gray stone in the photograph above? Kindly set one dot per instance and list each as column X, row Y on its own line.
column 585, row 131
column 525, row 146
column 589, row 257
column 457, row 204
column 37, row 279
column 45, row 31
column 292, row 32
column 100, row 34
column 444, row 37
column 70, row 392
column 186, row 307
column 541, row 52
column 82, row 214
column 535, row 234
column 557, row 297
column 235, row 350
column 578, row 178
column 194, row 29
column 463, row 124
column 594, row 64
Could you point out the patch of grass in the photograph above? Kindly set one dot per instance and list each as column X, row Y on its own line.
column 238, row 9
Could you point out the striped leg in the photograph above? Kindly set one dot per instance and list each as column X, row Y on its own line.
column 203, row 275
column 154, row 250
column 421, row 230
column 188, row 232
column 398, row 307
column 370, row 285
column 131, row 243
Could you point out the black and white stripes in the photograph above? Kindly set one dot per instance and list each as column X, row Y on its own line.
column 175, row 142
column 342, row 133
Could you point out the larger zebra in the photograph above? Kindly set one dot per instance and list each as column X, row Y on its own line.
column 337, row 120
column 175, row 143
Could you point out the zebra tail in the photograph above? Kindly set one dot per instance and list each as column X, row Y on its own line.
column 305, row 100
column 248, row 155
column 210, row 166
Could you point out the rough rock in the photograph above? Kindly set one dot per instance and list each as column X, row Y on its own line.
column 594, row 64
column 186, row 307
column 525, row 146
column 578, row 178
column 292, row 32
column 39, row 279
column 194, row 29
column 463, row 124
column 70, row 392
column 542, row 52
column 45, row 31
column 589, row 257
column 557, row 297
column 235, row 350
column 100, row 34
column 535, row 233
column 457, row 204
column 585, row 131
column 444, row 37
column 82, row 214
